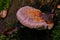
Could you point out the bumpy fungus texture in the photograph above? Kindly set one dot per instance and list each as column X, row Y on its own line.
column 34, row 18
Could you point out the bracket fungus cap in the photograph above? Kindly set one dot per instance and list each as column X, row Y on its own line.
column 31, row 18
column 3, row 13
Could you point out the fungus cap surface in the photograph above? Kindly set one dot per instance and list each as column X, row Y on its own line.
column 30, row 17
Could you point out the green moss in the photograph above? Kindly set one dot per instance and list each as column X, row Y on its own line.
column 9, row 24
column 2, row 37
column 4, row 4
column 13, row 36
column 56, row 32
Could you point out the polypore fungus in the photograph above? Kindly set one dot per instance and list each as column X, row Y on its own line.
column 3, row 13
column 34, row 18
column 58, row 6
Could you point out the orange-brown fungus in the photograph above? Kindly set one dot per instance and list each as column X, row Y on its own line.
column 33, row 18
